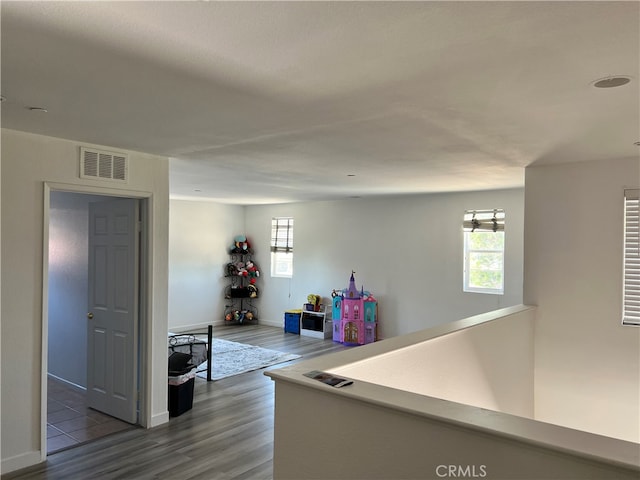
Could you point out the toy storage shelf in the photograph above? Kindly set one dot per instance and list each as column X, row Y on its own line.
column 240, row 295
column 315, row 324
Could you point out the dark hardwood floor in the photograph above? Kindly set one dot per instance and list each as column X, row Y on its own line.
column 228, row 434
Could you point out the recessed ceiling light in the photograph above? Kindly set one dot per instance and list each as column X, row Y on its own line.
column 637, row 144
column 351, row 174
column 612, row 81
column 2, row 99
column 38, row 109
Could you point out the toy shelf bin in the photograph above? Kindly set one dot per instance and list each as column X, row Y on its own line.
column 292, row 321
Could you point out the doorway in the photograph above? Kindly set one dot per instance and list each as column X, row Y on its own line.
column 70, row 418
column 71, row 422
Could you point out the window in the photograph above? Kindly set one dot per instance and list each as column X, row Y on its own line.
column 484, row 251
column 631, row 295
column 282, row 247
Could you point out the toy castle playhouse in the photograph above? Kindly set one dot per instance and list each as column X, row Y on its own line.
column 355, row 315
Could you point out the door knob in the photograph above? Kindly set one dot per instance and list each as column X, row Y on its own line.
column 90, row 315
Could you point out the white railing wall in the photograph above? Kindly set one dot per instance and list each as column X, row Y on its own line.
column 454, row 400
column 489, row 365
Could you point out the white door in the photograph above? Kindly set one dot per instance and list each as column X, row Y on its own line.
column 112, row 340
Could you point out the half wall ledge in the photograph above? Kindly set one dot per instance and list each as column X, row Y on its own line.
column 372, row 430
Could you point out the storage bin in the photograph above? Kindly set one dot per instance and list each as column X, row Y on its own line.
column 292, row 322
column 181, row 397
column 181, row 382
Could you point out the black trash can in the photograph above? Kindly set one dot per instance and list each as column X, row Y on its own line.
column 181, row 382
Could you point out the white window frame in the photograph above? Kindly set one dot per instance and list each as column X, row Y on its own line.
column 281, row 246
column 631, row 259
column 482, row 221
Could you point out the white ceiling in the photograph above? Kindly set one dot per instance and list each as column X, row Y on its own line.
column 270, row 102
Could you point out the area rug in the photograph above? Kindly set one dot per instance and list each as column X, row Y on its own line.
column 233, row 358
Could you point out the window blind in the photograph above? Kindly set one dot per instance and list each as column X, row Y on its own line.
column 483, row 220
column 282, row 234
column 631, row 298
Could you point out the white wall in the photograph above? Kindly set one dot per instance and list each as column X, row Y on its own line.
column 200, row 234
column 27, row 162
column 587, row 364
column 68, row 285
column 352, row 439
column 406, row 250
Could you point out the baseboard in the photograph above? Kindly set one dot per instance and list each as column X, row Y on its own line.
column 267, row 323
column 72, row 385
column 219, row 323
column 159, row 419
column 196, row 327
column 21, row 461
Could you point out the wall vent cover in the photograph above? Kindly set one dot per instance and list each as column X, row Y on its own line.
column 102, row 165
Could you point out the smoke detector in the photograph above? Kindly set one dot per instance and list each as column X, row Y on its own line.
column 612, row 81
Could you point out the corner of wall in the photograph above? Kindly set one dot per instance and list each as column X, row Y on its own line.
column 158, row 419
column 20, row 461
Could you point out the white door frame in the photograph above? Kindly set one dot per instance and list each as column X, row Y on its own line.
column 145, row 293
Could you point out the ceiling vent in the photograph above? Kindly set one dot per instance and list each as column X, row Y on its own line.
column 102, row 165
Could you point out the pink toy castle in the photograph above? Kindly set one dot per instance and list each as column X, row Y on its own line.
column 355, row 316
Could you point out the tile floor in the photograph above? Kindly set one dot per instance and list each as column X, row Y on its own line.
column 70, row 422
